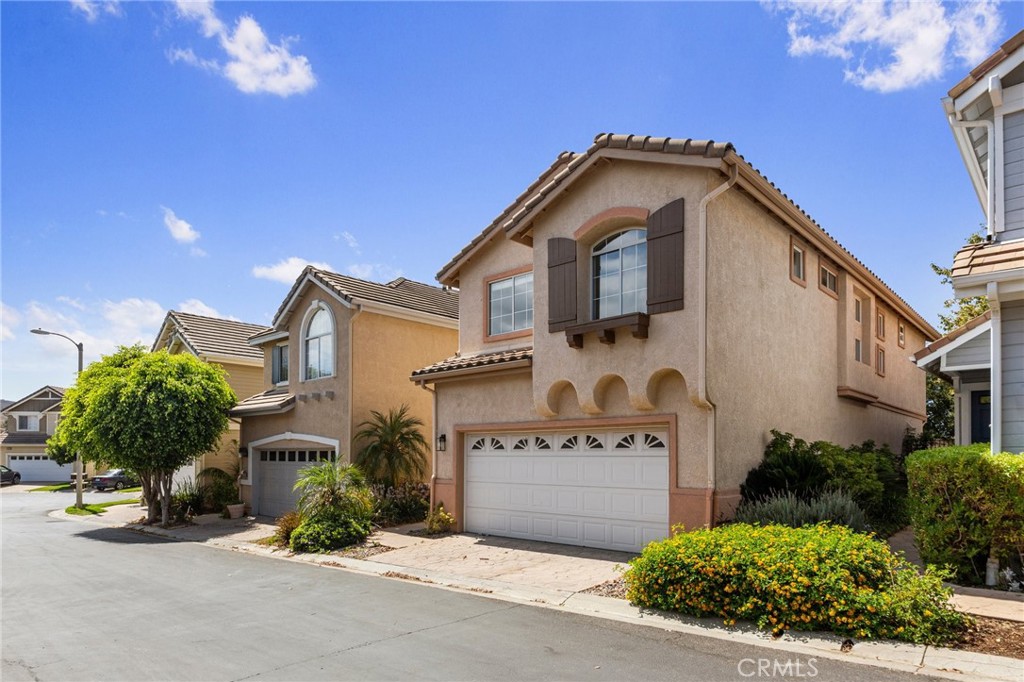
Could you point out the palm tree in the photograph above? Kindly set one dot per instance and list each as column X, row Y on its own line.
column 395, row 450
column 333, row 488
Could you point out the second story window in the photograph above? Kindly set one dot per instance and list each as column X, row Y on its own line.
column 901, row 336
column 28, row 422
column 619, row 272
column 510, row 304
column 828, row 280
column 880, row 325
column 319, row 346
column 280, row 364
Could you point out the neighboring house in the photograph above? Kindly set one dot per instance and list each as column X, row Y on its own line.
column 636, row 323
column 224, row 343
column 985, row 358
column 339, row 347
column 28, row 423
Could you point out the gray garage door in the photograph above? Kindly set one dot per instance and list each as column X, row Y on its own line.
column 278, row 471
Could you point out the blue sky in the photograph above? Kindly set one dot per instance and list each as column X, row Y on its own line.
column 194, row 156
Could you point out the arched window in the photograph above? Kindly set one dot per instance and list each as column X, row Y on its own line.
column 619, row 272
column 318, row 344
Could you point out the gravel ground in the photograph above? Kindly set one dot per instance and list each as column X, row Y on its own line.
column 988, row 636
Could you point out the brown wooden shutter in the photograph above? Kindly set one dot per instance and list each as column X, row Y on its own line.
column 665, row 259
column 561, row 283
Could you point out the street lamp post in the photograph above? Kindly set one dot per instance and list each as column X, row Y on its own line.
column 78, row 455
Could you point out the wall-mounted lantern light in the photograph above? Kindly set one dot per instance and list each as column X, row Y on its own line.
column 442, row 442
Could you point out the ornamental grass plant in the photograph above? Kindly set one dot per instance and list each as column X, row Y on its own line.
column 819, row 577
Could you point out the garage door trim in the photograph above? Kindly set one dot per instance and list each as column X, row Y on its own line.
column 255, row 446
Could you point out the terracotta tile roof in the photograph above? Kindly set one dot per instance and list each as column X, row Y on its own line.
column 993, row 60
column 458, row 363
column 567, row 163
column 976, row 259
column 953, row 335
column 211, row 335
column 268, row 402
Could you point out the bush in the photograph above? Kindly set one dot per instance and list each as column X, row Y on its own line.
column 405, row 503
column 872, row 476
column 439, row 521
column 221, row 489
column 786, row 509
column 813, row 578
column 286, row 525
column 965, row 505
column 187, row 499
column 334, row 489
column 328, row 533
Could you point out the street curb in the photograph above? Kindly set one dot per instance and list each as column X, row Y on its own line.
column 915, row 658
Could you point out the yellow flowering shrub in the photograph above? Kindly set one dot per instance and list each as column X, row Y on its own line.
column 812, row 578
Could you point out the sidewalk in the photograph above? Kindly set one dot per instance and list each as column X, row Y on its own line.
column 553, row 576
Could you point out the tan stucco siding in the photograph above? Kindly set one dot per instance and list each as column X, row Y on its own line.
column 503, row 258
column 315, row 413
column 778, row 351
column 386, row 350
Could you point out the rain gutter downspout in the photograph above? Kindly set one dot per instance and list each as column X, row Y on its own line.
column 990, row 163
column 703, row 400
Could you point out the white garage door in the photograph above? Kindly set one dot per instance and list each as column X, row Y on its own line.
column 596, row 489
column 278, row 471
column 39, row 468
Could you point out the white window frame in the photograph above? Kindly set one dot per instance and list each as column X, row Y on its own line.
column 858, row 350
column 314, row 308
column 901, row 334
column 880, row 360
column 277, row 354
column 28, row 417
column 832, row 277
column 601, row 249
column 858, row 310
column 515, row 280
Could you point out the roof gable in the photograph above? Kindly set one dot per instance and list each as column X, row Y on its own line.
column 400, row 293
column 953, row 340
column 209, row 336
column 59, row 392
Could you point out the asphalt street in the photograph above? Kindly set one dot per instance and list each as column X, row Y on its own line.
column 86, row 602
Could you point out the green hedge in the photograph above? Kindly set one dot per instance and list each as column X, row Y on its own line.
column 813, row 578
column 966, row 504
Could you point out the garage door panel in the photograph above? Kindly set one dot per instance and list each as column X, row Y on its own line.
column 38, row 468
column 606, row 490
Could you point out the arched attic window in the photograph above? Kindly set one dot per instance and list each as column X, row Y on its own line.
column 619, row 274
column 318, row 344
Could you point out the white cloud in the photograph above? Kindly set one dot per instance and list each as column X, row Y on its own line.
column 350, row 239
column 891, row 45
column 375, row 272
column 133, row 319
column 197, row 252
column 287, row 270
column 179, row 229
column 197, row 307
column 254, row 64
column 9, row 319
column 93, row 8
column 73, row 302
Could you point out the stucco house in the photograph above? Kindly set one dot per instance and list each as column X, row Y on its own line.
column 224, row 343
column 28, row 423
column 632, row 327
column 338, row 348
column 985, row 358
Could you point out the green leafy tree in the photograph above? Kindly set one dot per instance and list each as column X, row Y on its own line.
column 395, row 450
column 149, row 412
column 961, row 310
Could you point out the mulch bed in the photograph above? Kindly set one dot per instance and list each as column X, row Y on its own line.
column 988, row 636
column 363, row 551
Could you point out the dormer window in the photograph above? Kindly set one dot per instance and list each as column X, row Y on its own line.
column 318, row 345
column 619, row 271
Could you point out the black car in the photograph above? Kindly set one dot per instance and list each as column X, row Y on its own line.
column 9, row 476
column 118, row 479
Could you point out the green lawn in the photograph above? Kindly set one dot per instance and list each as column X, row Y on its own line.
column 91, row 509
column 136, row 489
column 59, row 488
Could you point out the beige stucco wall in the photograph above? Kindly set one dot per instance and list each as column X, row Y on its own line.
column 314, row 413
column 386, row 351
column 777, row 351
column 502, row 257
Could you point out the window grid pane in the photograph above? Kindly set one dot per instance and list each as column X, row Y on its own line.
column 620, row 275
column 510, row 304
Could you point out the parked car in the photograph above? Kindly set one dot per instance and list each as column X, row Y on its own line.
column 9, row 476
column 117, row 479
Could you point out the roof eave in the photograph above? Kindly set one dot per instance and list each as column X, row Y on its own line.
column 431, row 377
